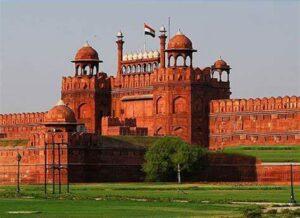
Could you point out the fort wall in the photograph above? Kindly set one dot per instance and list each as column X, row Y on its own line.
column 20, row 125
column 265, row 121
column 83, row 158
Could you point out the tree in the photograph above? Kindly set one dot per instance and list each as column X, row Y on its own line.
column 169, row 155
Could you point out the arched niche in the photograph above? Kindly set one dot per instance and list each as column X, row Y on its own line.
column 83, row 111
column 178, row 131
column 160, row 105
column 179, row 105
column 159, row 132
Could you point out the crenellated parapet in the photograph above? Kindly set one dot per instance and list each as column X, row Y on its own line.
column 258, row 104
column 260, row 121
column 22, row 118
column 99, row 81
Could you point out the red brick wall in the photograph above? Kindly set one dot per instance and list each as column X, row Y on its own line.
column 220, row 167
column 19, row 126
column 86, row 156
column 263, row 121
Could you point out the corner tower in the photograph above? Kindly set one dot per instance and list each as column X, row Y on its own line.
column 182, row 93
column 86, row 93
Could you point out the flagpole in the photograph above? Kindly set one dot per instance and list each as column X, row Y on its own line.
column 169, row 27
column 144, row 42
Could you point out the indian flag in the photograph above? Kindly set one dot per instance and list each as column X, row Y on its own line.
column 149, row 31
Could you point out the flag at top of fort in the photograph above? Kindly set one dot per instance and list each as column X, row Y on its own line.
column 149, row 31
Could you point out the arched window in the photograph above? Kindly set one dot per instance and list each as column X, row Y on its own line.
column 160, row 106
column 179, row 61
column 171, row 61
column 133, row 69
column 124, row 69
column 179, row 105
column 188, row 61
column 138, row 68
column 224, row 76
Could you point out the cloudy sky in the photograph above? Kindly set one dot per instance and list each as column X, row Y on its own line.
column 38, row 39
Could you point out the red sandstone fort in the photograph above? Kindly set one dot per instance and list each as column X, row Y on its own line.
column 160, row 93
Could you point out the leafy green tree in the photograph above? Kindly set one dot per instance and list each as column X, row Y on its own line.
column 168, row 155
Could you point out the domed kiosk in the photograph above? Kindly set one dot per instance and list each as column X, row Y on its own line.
column 220, row 66
column 180, row 46
column 61, row 117
column 86, row 57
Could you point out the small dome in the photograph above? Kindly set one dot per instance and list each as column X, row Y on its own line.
column 125, row 57
column 162, row 29
column 180, row 41
column 140, row 55
column 156, row 54
column 86, row 53
column 120, row 34
column 221, row 64
column 134, row 56
column 129, row 56
column 150, row 54
column 60, row 113
column 145, row 55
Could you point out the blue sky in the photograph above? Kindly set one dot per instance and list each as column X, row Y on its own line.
column 38, row 39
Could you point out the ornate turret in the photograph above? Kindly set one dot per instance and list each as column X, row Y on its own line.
column 61, row 117
column 86, row 57
column 220, row 66
column 180, row 46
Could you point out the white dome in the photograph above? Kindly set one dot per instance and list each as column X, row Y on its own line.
column 179, row 32
column 125, row 57
column 134, row 56
column 119, row 34
column 162, row 29
column 145, row 55
column 129, row 56
column 156, row 54
column 150, row 54
column 140, row 55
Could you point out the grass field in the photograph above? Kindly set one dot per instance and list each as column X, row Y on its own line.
column 268, row 153
column 140, row 199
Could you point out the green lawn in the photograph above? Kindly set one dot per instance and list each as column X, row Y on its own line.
column 140, row 199
column 268, row 153
column 111, row 208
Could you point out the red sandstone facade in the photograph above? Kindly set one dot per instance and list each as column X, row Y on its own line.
column 158, row 93
column 162, row 99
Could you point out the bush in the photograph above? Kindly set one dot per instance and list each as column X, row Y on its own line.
column 164, row 156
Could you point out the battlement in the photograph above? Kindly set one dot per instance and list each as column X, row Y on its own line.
column 258, row 104
column 22, row 118
column 86, row 82
column 186, row 74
